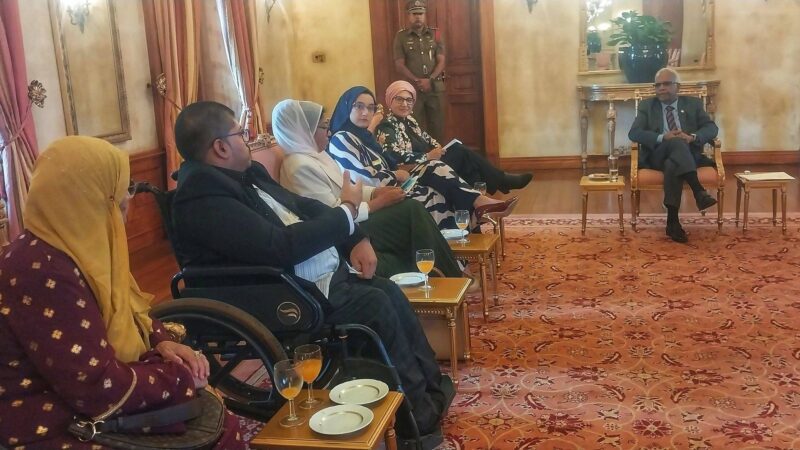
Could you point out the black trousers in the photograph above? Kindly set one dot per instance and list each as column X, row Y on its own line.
column 382, row 306
column 472, row 167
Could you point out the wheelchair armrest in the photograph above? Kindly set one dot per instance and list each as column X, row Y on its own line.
column 280, row 300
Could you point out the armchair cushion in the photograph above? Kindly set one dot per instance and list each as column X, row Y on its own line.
column 654, row 179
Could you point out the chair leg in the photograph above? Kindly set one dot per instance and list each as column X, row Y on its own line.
column 720, row 204
column 634, row 207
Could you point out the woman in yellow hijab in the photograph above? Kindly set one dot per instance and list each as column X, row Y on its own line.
column 75, row 335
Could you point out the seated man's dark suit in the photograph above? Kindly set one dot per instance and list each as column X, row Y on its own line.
column 674, row 157
column 220, row 219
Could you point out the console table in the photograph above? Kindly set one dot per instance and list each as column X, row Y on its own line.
column 611, row 93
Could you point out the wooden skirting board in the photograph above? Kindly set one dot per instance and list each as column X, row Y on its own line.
column 599, row 161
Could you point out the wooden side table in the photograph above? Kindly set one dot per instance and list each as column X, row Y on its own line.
column 274, row 436
column 588, row 185
column 742, row 183
column 480, row 248
column 445, row 300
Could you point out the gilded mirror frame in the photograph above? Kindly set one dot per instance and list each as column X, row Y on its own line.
column 583, row 60
column 65, row 77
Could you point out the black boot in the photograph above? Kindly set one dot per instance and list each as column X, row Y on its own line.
column 704, row 200
column 515, row 181
column 674, row 228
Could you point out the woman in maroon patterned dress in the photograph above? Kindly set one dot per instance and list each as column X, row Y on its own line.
column 75, row 335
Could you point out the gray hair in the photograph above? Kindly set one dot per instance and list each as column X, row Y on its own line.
column 675, row 77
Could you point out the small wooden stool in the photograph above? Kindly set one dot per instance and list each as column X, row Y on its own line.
column 274, row 436
column 445, row 301
column 588, row 185
column 480, row 248
column 749, row 181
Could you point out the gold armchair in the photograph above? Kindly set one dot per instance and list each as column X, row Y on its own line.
column 653, row 180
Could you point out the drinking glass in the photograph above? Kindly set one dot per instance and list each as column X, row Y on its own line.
column 480, row 186
column 462, row 222
column 289, row 382
column 425, row 265
column 613, row 167
column 309, row 358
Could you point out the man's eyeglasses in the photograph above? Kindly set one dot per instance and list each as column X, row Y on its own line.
column 244, row 133
column 404, row 100
column 664, row 83
column 360, row 107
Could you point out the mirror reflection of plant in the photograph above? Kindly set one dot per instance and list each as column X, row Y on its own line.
column 634, row 30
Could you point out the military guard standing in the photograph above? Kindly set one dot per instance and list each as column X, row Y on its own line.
column 419, row 56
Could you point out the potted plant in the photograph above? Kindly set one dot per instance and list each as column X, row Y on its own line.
column 644, row 41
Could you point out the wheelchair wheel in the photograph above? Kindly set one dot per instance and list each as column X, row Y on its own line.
column 240, row 349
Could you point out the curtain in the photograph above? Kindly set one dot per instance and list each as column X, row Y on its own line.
column 17, row 133
column 239, row 31
column 173, row 41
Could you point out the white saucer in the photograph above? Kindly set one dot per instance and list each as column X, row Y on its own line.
column 359, row 392
column 454, row 233
column 408, row 279
column 340, row 419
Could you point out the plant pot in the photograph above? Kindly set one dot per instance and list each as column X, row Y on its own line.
column 640, row 63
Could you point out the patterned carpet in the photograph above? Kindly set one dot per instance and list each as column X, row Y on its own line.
column 606, row 341
column 636, row 342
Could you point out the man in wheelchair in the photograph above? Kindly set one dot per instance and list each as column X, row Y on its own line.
column 227, row 210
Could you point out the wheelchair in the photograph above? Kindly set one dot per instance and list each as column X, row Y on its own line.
column 239, row 316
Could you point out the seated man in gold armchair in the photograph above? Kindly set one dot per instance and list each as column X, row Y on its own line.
column 672, row 131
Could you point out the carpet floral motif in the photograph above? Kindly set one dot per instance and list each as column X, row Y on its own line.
column 633, row 341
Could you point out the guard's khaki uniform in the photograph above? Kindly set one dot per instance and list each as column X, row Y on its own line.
column 419, row 51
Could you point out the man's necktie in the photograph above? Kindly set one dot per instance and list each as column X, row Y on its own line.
column 671, row 118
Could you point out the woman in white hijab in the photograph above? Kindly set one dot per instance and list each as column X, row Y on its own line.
column 396, row 226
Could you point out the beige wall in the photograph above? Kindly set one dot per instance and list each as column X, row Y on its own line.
column 758, row 104
column 41, row 64
column 340, row 29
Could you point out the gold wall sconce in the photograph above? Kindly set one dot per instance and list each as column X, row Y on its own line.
column 78, row 11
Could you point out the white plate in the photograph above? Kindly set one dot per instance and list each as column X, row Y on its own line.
column 359, row 392
column 340, row 419
column 408, row 279
column 454, row 233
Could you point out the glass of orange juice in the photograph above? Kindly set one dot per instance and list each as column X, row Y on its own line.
column 425, row 265
column 289, row 382
column 309, row 358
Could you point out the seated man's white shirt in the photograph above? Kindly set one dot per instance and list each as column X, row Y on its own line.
column 319, row 268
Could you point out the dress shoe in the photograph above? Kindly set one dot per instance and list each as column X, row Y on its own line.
column 704, row 201
column 676, row 233
column 500, row 207
column 514, row 181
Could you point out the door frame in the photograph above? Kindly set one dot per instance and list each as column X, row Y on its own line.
column 379, row 9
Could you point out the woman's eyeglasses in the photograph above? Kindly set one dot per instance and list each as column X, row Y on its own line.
column 360, row 107
column 404, row 100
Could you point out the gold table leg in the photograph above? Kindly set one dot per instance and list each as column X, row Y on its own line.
column 746, row 204
column 783, row 207
column 738, row 200
column 583, row 212
column 774, row 207
column 493, row 257
column 467, row 338
column 451, row 324
column 482, row 265
column 619, row 203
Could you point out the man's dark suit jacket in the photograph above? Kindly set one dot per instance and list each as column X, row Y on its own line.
column 649, row 123
column 219, row 219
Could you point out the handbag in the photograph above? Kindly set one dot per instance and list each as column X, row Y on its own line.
column 203, row 415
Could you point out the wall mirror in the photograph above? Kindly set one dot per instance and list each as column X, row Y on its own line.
column 691, row 48
column 90, row 68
